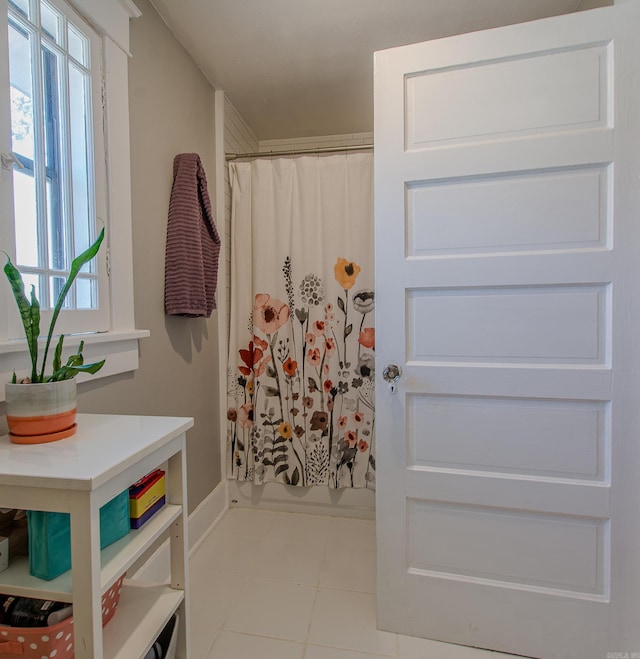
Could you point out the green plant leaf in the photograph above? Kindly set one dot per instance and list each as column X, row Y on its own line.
column 76, row 266
column 25, row 309
column 75, row 364
column 57, row 355
column 35, row 329
column 67, row 372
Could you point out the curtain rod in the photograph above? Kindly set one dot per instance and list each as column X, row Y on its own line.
column 291, row 152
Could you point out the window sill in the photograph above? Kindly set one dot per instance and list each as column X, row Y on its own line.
column 120, row 349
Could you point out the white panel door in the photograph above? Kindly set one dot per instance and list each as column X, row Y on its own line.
column 507, row 179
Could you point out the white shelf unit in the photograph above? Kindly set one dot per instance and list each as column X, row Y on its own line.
column 78, row 475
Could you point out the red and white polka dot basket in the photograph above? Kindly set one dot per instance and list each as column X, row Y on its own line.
column 55, row 642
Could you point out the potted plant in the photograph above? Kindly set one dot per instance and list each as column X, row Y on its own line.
column 42, row 408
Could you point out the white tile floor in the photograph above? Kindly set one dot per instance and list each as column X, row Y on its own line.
column 290, row 586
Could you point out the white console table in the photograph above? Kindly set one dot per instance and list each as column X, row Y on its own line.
column 78, row 475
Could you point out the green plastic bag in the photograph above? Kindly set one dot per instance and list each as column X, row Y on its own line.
column 50, row 536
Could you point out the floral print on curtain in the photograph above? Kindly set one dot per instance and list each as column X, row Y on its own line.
column 304, row 389
column 302, row 336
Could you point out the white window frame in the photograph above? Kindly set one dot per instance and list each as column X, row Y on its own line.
column 119, row 344
column 88, row 320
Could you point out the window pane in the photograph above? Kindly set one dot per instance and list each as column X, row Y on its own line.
column 53, row 170
column 86, row 294
column 78, row 46
column 31, row 280
column 56, row 284
column 26, row 220
column 51, row 21
column 56, row 254
column 21, row 6
column 81, row 160
column 22, row 128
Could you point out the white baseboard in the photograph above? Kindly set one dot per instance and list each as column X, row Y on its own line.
column 206, row 515
column 201, row 520
column 348, row 502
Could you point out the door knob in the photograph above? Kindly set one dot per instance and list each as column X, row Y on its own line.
column 391, row 375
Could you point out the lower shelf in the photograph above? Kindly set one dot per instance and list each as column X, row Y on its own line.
column 143, row 611
column 115, row 560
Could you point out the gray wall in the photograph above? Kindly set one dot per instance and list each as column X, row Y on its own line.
column 171, row 111
column 593, row 4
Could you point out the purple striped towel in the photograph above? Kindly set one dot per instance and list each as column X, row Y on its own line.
column 193, row 243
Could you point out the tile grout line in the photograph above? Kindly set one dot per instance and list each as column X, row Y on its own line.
column 235, row 602
column 315, row 597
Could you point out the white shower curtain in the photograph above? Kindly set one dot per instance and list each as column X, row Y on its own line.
column 302, row 338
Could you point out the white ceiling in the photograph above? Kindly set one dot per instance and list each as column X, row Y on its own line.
column 297, row 68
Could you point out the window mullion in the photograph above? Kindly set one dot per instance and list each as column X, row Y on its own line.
column 66, row 168
column 39, row 168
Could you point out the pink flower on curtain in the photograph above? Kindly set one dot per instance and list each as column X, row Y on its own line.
column 313, row 357
column 318, row 327
column 269, row 314
column 261, row 366
column 245, row 416
column 260, row 343
column 330, row 347
column 350, row 438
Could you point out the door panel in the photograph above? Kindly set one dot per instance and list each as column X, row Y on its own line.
column 508, row 97
column 507, row 213
column 505, row 324
column 556, row 438
column 510, row 213
column 511, row 546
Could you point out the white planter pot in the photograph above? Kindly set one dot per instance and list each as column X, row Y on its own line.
column 38, row 413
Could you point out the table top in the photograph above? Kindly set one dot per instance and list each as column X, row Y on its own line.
column 103, row 445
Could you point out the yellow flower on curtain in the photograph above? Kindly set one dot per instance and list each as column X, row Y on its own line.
column 346, row 273
column 285, row 430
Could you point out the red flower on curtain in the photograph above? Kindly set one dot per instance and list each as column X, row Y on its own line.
column 254, row 359
column 290, row 367
column 367, row 337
